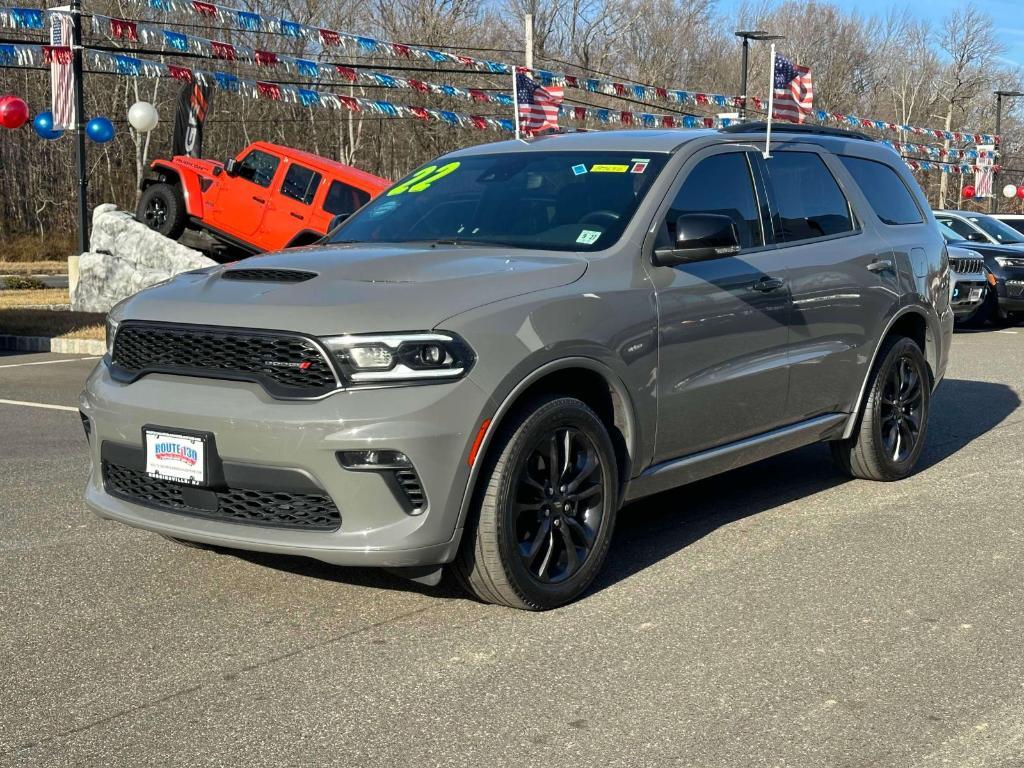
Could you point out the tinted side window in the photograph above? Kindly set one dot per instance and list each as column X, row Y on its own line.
column 342, row 198
column 259, row 168
column 962, row 228
column 300, row 184
column 888, row 195
column 808, row 201
column 720, row 184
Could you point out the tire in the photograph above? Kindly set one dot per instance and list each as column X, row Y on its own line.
column 516, row 550
column 899, row 398
column 162, row 209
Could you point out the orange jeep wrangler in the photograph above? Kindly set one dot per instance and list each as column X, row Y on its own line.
column 269, row 197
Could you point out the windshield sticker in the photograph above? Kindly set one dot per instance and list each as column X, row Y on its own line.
column 639, row 166
column 588, row 237
column 608, row 168
column 423, row 178
column 579, row 170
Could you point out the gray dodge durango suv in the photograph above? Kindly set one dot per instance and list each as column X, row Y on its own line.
column 481, row 366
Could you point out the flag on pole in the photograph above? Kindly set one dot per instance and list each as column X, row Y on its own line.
column 793, row 91
column 537, row 105
column 983, row 170
column 62, row 79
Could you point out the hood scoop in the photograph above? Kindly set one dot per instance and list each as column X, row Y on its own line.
column 268, row 275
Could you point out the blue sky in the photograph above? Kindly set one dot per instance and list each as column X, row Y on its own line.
column 1007, row 14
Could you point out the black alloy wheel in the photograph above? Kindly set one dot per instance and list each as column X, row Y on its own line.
column 155, row 214
column 559, row 505
column 900, row 411
column 545, row 507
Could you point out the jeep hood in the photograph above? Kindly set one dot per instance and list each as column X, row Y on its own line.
column 357, row 288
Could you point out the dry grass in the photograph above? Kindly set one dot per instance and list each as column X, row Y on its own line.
column 23, row 248
column 40, row 297
column 54, row 323
column 33, row 267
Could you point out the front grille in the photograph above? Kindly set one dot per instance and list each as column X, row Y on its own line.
column 410, row 484
column 287, row 365
column 268, row 275
column 278, row 509
column 965, row 265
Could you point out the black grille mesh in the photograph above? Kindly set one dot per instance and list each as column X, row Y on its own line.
column 307, row 511
column 289, row 366
column 268, row 275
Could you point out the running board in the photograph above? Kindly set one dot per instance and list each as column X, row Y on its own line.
column 697, row 466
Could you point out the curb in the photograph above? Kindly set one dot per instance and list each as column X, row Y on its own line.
column 50, row 344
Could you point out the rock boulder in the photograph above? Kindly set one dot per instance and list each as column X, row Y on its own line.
column 126, row 257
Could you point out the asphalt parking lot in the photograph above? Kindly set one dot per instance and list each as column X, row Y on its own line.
column 775, row 616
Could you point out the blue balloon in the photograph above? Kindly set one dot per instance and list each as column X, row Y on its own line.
column 100, row 130
column 43, row 123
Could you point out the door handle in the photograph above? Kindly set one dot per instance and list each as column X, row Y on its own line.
column 258, row 199
column 880, row 265
column 298, row 216
column 766, row 284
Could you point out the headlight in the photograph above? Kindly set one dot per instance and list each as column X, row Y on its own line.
column 111, row 332
column 396, row 357
column 1009, row 261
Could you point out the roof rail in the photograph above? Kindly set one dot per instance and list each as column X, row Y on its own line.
column 784, row 127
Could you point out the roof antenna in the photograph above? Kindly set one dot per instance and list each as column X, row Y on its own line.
column 771, row 107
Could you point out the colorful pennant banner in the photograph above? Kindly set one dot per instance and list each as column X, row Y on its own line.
column 853, row 121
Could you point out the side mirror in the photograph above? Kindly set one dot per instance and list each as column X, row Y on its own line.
column 231, row 167
column 699, row 237
column 337, row 221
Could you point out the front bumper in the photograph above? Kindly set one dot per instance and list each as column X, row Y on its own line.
column 434, row 425
column 1011, row 292
column 960, row 293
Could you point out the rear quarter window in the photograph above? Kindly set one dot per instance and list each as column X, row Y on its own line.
column 885, row 191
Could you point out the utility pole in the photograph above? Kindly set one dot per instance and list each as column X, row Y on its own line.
column 944, row 177
column 529, row 41
column 79, row 128
column 747, row 35
column 995, row 161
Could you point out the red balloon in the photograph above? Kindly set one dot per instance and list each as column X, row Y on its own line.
column 1020, row 192
column 13, row 112
column 968, row 192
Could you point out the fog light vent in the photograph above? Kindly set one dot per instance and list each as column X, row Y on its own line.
column 409, row 482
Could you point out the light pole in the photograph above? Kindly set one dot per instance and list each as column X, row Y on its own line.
column 994, row 206
column 747, row 35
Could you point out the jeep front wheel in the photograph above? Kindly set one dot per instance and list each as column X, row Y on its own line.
column 162, row 209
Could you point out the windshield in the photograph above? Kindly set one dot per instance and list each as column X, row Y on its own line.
column 562, row 201
column 997, row 229
column 950, row 235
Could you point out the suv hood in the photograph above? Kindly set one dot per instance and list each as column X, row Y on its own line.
column 357, row 288
column 989, row 249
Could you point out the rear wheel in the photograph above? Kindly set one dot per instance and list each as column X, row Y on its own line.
column 162, row 209
column 891, row 431
column 547, row 509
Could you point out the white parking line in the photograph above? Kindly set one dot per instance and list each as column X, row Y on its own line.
column 1011, row 332
column 50, row 406
column 50, row 362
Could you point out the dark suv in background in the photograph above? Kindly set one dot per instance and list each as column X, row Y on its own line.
column 1004, row 302
column 495, row 354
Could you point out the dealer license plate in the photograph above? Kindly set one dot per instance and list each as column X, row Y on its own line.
column 179, row 458
column 976, row 294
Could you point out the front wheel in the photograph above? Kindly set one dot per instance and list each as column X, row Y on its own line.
column 162, row 209
column 547, row 509
column 891, row 431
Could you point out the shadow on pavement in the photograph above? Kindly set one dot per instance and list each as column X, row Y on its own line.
column 658, row 527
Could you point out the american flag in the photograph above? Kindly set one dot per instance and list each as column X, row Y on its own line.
column 538, row 106
column 61, row 77
column 794, row 91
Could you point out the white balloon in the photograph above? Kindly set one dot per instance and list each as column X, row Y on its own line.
column 143, row 116
column 1009, row 191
